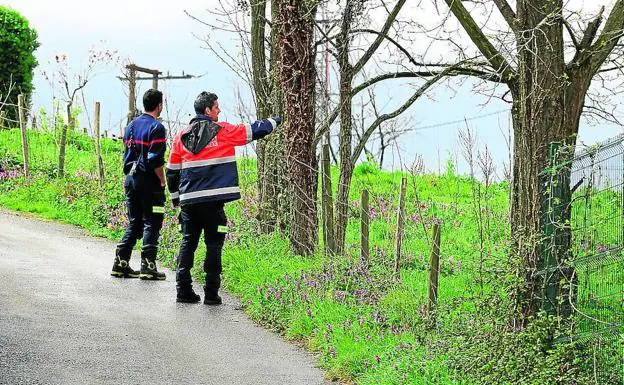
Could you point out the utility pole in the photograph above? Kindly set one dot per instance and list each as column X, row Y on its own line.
column 155, row 77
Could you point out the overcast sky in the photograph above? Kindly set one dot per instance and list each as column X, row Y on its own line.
column 158, row 34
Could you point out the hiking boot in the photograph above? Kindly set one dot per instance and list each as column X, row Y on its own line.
column 187, row 296
column 122, row 269
column 149, row 271
column 213, row 299
column 211, row 296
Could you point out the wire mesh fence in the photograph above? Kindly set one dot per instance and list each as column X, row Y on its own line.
column 584, row 248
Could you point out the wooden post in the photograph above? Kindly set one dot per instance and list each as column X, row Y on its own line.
column 131, row 95
column 62, row 145
column 326, row 198
column 2, row 115
column 364, row 227
column 434, row 270
column 155, row 81
column 399, row 230
column 22, row 120
column 98, row 149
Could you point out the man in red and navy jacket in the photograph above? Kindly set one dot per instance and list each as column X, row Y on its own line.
column 202, row 176
column 144, row 186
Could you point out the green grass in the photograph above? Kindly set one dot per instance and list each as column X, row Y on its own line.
column 366, row 326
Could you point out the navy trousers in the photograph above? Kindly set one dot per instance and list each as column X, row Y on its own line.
column 195, row 219
column 145, row 209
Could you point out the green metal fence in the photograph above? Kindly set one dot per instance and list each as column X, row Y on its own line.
column 583, row 248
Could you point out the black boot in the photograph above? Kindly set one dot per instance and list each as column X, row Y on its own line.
column 212, row 298
column 211, row 290
column 187, row 295
column 122, row 269
column 150, row 272
column 148, row 264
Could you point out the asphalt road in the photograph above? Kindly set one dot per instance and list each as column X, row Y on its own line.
column 64, row 320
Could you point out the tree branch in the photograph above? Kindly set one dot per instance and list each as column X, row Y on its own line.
column 452, row 70
column 419, row 92
column 484, row 45
column 609, row 37
column 508, row 13
column 325, row 35
column 591, row 31
column 572, row 35
column 384, row 31
column 335, row 112
column 583, row 48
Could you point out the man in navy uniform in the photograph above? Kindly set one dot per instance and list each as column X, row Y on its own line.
column 202, row 176
column 144, row 186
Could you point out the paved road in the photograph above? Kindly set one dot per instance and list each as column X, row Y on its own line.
column 64, row 320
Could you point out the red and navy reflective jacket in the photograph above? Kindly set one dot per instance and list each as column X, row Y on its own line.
column 202, row 161
column 145, row 143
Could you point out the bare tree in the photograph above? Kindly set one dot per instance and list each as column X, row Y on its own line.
column 373, row 40
column 250, row 23
column 71, row 82
column 387, row 133
column 548, row 93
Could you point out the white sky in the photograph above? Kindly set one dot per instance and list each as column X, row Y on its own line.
column 158, row 34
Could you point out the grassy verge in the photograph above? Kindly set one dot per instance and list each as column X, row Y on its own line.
column 367, row 326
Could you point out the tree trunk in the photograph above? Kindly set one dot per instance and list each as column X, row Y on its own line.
column 346, row 126
column 548, row 101
column 271, row 155
column 296, row 73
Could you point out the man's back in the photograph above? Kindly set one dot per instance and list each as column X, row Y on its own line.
column 145, row 141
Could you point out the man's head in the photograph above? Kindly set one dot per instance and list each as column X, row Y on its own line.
column 206, row 104
column 153, row 102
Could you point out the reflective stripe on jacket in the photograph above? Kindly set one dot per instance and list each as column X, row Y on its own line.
column 207, row 172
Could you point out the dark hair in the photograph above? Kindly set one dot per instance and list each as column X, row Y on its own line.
column 203, row 100
column 151, row 99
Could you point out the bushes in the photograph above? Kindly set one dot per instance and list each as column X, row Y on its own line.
column 18, row 41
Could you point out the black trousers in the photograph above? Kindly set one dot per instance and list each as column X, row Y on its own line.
column 195, row 219
column 145, row 209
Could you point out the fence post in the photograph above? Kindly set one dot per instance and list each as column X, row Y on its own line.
column 62, row 149
column 399, row 230
column 2, row 115
column 550, row 216
column 364, row 227
column 98, row 149
column 434, row 270
column 22, row 121
column 326, row 197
